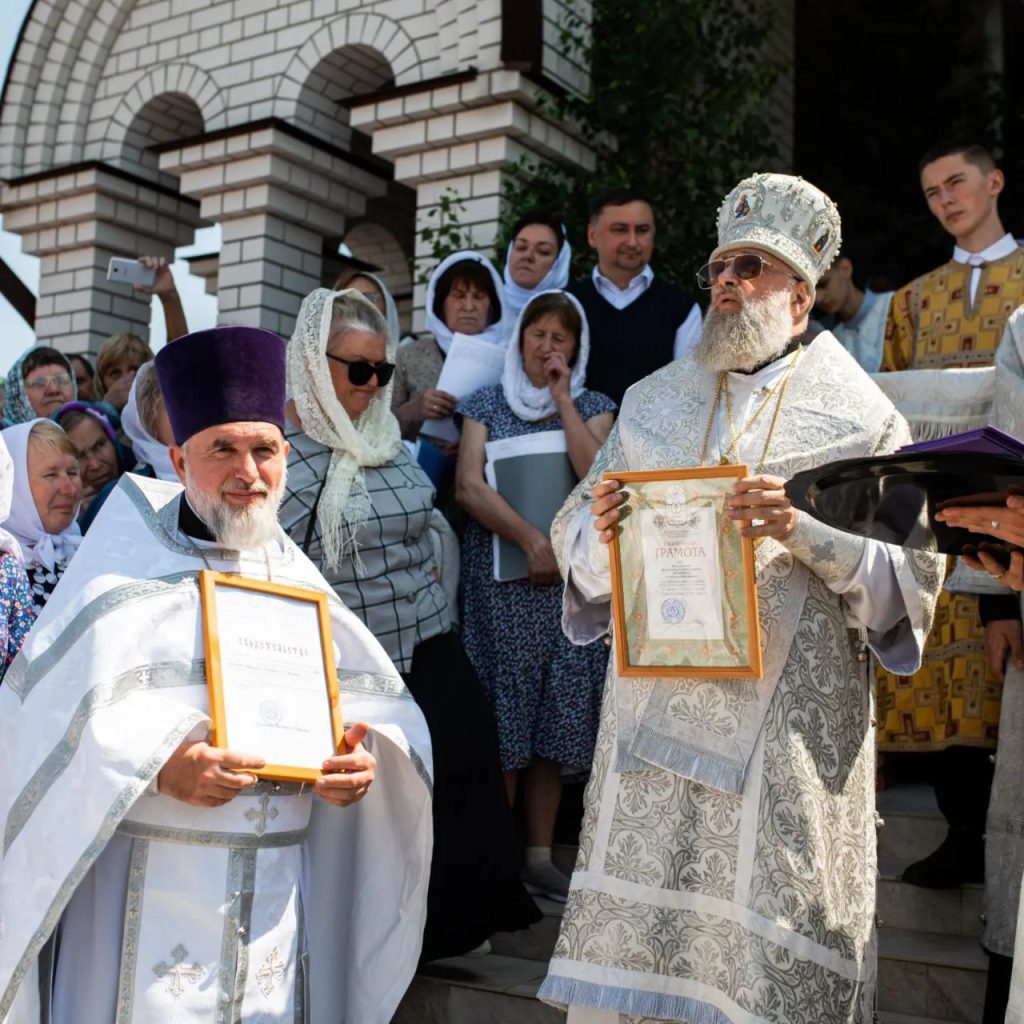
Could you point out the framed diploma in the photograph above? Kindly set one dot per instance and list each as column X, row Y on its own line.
column 684, row 599
column 270, row 673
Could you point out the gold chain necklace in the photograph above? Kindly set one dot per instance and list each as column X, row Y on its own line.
column 723, row 387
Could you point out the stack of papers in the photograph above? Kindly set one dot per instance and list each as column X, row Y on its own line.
column 534, row 475
column 985, row 441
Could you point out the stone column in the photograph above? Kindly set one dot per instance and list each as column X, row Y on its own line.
column 277, row 192
column 465, row 137
column 75, row 220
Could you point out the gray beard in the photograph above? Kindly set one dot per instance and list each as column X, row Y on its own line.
column 756, row 334
column 237, row 529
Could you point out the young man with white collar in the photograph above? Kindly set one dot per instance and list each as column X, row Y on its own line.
column 638, row 322
column 952, row 318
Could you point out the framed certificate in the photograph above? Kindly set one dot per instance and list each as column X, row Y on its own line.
column 271, row 675
column 684, row 598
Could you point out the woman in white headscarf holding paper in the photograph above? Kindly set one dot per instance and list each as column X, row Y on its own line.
column 464, row 297
column 546, row 691
column 16, row 611
column 362, row 510
column 538, row 260
column 44, row 506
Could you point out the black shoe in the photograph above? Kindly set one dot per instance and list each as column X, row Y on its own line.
column 960, row 859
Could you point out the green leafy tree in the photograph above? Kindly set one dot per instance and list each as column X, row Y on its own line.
column 680, row 108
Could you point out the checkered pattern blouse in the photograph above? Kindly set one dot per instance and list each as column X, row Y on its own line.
column 395, row 594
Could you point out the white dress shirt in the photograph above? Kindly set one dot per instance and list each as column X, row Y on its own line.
column 688, row 331
column 996, row 251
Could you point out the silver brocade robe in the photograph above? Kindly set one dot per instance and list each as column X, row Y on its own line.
column 275, row 907
column 747, row 897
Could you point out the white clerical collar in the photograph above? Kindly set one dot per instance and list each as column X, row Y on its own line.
column 996, row 251
column 640, row 283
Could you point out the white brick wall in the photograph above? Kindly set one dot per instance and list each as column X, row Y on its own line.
column 106, row 80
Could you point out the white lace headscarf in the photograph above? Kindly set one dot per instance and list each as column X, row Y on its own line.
column 494, row 333
column 530, row 403
column 516, row 297
column 149, row 451
column 372, row 440
column 8, row 542
column 23, row 520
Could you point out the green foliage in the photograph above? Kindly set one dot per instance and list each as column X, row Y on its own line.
column 443, row 232
column 680, row 108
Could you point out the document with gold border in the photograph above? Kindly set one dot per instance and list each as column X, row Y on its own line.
column 270, row 672
column 684, row 600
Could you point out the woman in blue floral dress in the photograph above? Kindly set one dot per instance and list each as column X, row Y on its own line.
column 546, row 692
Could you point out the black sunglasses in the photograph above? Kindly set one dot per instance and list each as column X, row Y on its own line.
column 746, row 266
column 361, row 370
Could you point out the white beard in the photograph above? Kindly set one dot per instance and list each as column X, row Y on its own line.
column 754, row 335
column 238, row 529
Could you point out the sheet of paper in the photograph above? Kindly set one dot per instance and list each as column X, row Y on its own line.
column 276, row 702
column 682, row 575
column 470, row 365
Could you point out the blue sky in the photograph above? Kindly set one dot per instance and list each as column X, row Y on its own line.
column 15, row 334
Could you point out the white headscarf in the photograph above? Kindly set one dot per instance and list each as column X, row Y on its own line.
column 373, row 440
column 148, row 450
column 23, row 521
column 390, row 309
column 526, row 401
column 516, row 297
column 495, row 333
column 8, row 542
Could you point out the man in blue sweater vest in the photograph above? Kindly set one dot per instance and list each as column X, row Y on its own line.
column 637, row 323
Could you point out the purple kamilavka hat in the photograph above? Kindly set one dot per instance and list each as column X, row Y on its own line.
column 223, row 375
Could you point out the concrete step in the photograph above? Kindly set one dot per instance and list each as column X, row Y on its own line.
column 913, row 825
column 536, row 942
column 472, row 990
column 948, row 911
column 885, row 1017
column 931, row 975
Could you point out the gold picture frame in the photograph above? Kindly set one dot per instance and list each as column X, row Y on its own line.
column 676, row 521
column 293, row 656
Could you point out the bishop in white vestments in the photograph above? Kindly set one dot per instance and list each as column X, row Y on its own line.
column 146, row 876
column 726, row 872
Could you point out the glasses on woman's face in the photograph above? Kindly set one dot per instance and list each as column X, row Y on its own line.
column 361, row 370
column 62, row 380
column 745, row 265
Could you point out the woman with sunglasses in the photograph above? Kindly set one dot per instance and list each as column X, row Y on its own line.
column 362, row 509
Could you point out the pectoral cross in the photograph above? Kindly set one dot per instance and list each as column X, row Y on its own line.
column 178, row 972
column 263, row 815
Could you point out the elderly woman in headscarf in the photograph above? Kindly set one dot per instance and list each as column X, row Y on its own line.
column 38, row 384
column 464, row 296
column 16, row 610
column 546, row 691
column 538, row 260
column 44, row 507
column 147, row 426
column 102, row 458
column 362, row 509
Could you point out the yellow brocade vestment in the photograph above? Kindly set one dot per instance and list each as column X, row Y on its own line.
column 952, row 700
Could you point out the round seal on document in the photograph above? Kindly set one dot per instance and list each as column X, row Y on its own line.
column 673, row 611
column 271, row 713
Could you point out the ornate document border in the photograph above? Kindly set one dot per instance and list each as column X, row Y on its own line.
column 208, row 582
column 701, row 588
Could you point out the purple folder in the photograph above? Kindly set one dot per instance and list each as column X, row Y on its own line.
column 984, row 441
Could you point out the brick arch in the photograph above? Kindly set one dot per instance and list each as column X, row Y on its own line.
column 106, row 137
column 373, row 32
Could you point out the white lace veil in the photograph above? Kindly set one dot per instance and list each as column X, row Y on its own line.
column 373, row 440
column 526, row 401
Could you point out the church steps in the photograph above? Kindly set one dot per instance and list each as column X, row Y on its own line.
column 931, row 975
column 469, row 990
